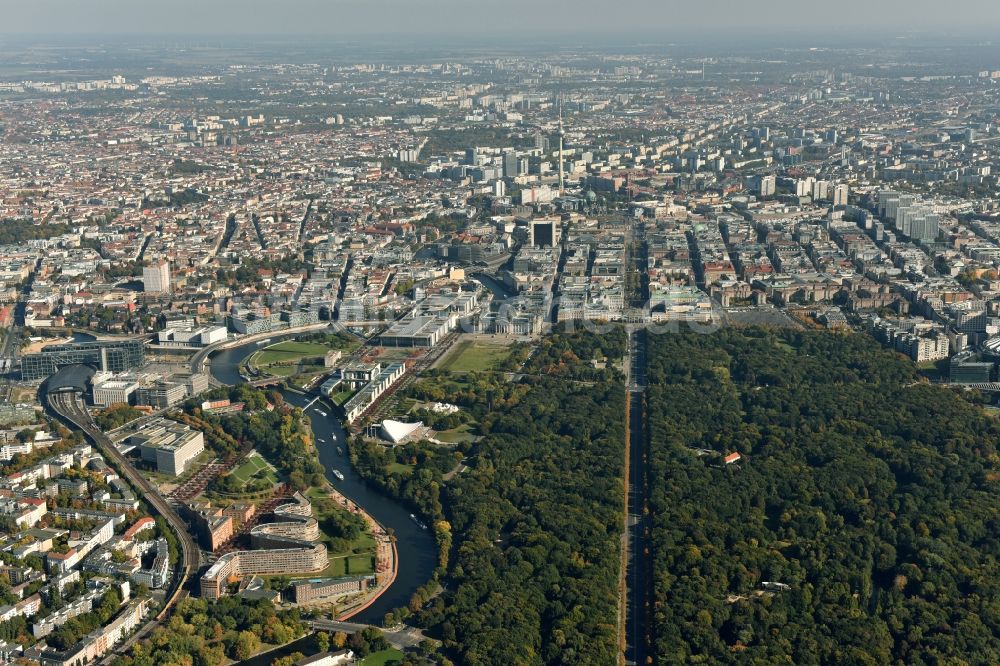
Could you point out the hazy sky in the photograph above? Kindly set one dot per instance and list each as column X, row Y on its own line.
column 347, row 17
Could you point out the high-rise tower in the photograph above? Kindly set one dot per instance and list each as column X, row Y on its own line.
column 562, row 185
column 156, row 278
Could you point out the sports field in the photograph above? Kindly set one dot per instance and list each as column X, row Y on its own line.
column 470, row 356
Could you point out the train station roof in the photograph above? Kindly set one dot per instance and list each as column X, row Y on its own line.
column 70, row 378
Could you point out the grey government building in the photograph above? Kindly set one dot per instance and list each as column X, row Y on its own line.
column 107, row 355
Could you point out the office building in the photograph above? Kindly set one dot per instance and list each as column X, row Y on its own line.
column 420, row 331
column 510, row 165
column 109, row 356
column 172, row 446
column 156, row 278
column 161, row 394
column 544, row 232
column 113, row 391
column 820, row 190
column 285, row 547
column 191, row 337
column 840, row 193
column 328, row 589
column 765, row 186
column 969, row 368
column 367, row 396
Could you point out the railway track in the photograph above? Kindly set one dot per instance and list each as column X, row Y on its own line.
column 69, row 407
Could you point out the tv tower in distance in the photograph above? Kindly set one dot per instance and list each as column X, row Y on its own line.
column 562, row 185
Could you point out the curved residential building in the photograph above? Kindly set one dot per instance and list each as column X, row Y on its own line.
column 287, row 546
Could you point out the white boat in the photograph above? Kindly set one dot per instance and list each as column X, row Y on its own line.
column 321, row 413
column 334, row 436
column 414, row 518
column 340, row 450
column 264, row 341
column 337, row 473
column 321, row 440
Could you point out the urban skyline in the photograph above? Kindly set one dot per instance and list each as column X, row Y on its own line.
column 487, row 346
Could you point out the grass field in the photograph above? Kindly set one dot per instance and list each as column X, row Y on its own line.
column 342, row 397
column 400, row 468
column 251, row 467
column 358, row 559
column 462, row 433
column 471, row 356
column 287, row 352
column 382, row 658
column 360, row 564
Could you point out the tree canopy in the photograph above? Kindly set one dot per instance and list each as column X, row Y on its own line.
column 859, row 527
column 537, row 518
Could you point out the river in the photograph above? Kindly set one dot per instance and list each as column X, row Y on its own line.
column 499, row 289
column 416, row 547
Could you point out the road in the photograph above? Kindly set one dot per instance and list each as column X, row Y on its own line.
column 638, row 575
column 11, row 346
column 402, row 638
column 70, row 408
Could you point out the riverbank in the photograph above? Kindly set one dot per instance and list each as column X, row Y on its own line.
column 386, row 557
column 414, row 551
column 382, row 589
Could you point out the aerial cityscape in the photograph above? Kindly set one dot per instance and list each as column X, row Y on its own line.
column 322, row 349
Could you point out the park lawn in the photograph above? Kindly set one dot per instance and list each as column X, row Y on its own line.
column 336, row 569
column 288, row 352
column 394, row 354
column 18, row 394
column 360, row 564
column 382, row 658
column 279, row 370
column 359, row 560
column 460, row 434
column 315, row 493
column 472, row 356
column 400, row 468
column 249, row 468
column 254, row 467
column 363, row 548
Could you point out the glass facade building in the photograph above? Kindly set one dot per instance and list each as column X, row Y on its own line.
column 110, row 356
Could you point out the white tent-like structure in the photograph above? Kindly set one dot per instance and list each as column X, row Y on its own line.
column 397, row 431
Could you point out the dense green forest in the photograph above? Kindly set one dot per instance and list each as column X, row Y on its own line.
column 859, row 527
column 536, row 520
column 530, row 532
